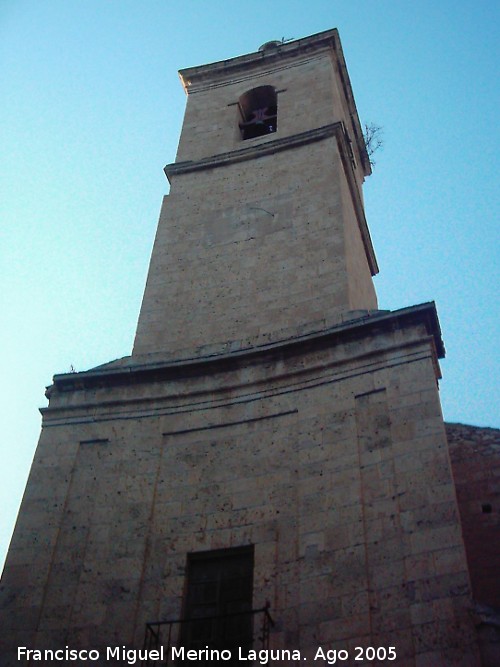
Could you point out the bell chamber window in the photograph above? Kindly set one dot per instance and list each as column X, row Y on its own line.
column 259, row 110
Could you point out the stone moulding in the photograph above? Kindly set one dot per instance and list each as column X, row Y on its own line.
column 285, row 54
column 201, row 76
column 274, row 146
column 136, row 370
column 256, row 151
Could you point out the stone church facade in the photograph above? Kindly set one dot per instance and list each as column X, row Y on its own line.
column 270, row 467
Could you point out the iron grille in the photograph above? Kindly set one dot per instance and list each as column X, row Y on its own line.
column 163, row 636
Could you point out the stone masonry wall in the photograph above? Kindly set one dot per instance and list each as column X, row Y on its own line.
column 332, row 462
column 251, row 257
column 475, row 457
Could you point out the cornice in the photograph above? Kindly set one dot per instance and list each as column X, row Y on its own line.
column 199, row 77
column 274, row 146
column 253, row 152
column 280, row 55
column 370, row 325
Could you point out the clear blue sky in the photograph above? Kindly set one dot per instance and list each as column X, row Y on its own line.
column 91, row 112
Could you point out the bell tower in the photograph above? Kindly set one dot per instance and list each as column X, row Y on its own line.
column 263, row 234
column 269, row 469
